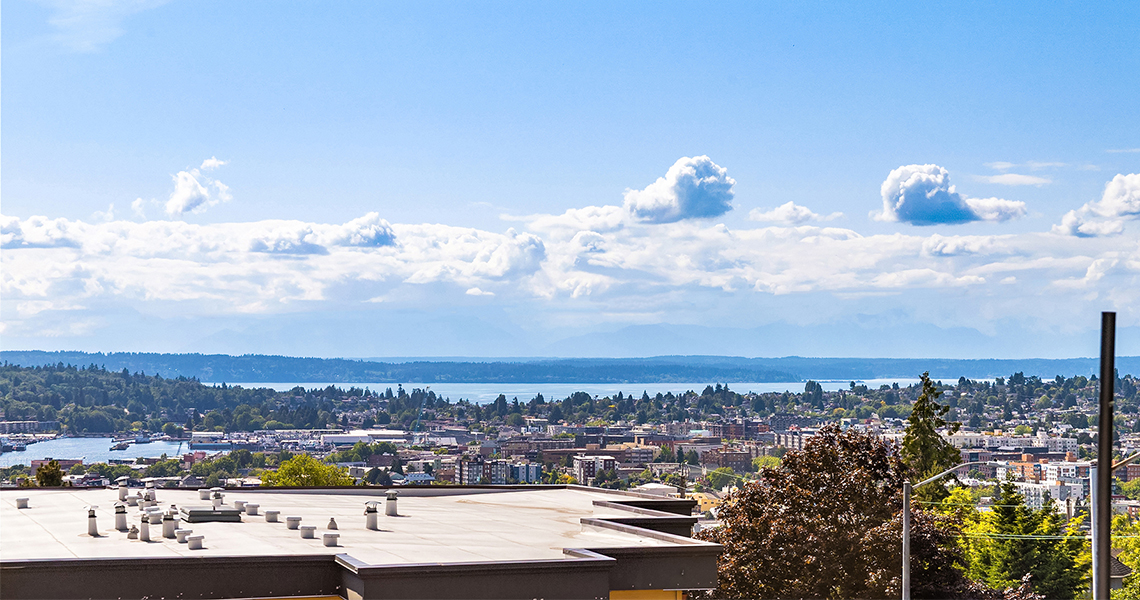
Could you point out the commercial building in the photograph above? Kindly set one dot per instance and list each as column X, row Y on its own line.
column 447, row 542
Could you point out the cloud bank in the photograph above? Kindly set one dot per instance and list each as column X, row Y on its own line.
column 923, row 195
column 583, row 267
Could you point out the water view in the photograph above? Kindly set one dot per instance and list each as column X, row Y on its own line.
column 482, row 393
column 91, row 450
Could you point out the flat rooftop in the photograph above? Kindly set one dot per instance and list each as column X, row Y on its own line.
column 437, row 525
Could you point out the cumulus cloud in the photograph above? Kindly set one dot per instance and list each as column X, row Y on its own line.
column 194, row 192
column 790, row 213
column 212, row 163
column 1119, row 203
column 923, row 195
column 693, row 188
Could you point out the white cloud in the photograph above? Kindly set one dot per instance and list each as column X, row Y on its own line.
column 923, row 195
column 693, row 188
column 478, row 292
column 1000, row 165
column 1015, row 179
column 195, row 192
column 790, row 213
column 1038, row 165
column 212, row 163
column 108, row 215
column 87, row 25
column 138, row 207
column 1119, row 203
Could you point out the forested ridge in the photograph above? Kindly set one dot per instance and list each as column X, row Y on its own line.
column 658, row 369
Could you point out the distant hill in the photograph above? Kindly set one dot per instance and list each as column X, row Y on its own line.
column 658, row 369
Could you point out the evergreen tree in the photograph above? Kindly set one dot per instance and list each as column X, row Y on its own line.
column 924, row 450
column 1000, row 552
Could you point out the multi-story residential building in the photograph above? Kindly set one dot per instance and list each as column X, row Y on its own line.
column 793, row 440
column 587, row 467
column 1036, row 493
column 526, row 472
column 971, row 440
column 736, row 460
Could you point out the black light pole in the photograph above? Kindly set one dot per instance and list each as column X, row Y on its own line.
column 1103, row 506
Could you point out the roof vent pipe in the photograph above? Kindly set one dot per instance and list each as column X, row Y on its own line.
column 132, row 501
column 181, row 534
column 251, row 508
column 168, row 526
column 144, row 528
column 155, row 516
column 240, row 505
column 120, row 516
column 271, row 516
column 309, row 532
column 332, row 523
column 217, row 500
column 21, row 502
column 370, row 514
column 123, row 491
column 390, row 505
column 194, row 542
column 133, row 534
column 203, row 493
column 92, row 529
column 292, row 522
column 149, row 496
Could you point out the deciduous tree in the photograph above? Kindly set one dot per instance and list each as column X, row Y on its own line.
column 827, row 523
column 304, row 470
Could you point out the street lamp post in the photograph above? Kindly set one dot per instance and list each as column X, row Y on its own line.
column 907, row 487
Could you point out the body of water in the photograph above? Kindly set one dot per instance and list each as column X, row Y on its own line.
column 482, row 393
column 91, row 450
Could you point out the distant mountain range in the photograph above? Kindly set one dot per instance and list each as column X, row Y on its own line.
column 252, row 368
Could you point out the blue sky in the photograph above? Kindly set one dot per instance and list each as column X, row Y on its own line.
column 373, row 179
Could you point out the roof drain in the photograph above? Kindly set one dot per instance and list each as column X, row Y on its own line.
column 370, row 515
column 120, row 516
column 92, row 528
column 390, row 505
